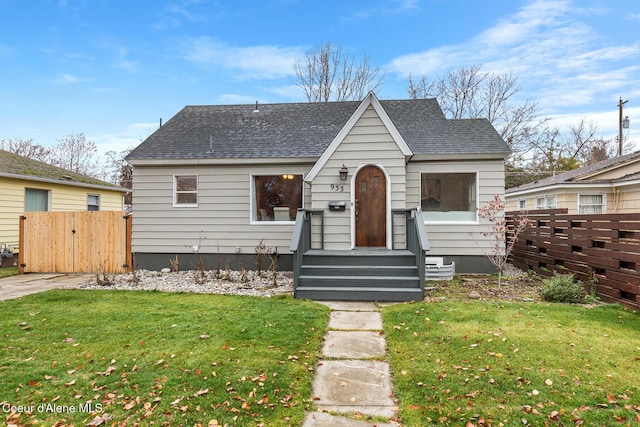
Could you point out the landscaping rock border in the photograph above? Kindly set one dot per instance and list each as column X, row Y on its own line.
column 195, row 281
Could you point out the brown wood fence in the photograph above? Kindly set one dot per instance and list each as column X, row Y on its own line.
column 598, row 249
column 75, row 242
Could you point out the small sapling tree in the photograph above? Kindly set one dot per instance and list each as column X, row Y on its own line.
column 503, row 234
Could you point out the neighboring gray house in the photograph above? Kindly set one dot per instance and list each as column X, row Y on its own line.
column 217, row 180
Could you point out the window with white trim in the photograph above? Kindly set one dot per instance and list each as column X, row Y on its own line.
column 591, row 203
column 185, row 190
column 549, row 201
column 276, row 197
column 36, row 200
column 449, row 196
column 93, row 202
column 522, row 204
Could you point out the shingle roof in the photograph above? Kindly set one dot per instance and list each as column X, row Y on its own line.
column 14, row 165
column 306, row 129
column 574, row 176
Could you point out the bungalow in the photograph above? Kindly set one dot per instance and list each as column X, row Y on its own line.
column 608, row 186
column 215, row 181
column 28, row 185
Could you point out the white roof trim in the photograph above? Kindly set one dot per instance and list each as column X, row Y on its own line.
column 66, row 183
column 369, row 100
column 572, row 187
column 223, row 161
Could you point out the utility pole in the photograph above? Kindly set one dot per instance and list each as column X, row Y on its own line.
column 621, row 124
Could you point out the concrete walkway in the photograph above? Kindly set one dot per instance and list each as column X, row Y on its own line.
column 352, row 379
column 25, row 284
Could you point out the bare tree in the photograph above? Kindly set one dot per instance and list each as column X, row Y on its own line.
column 327, row 73
column 472, row 93
column 558, row 151
column 119, row 171
column 503, row 234
column 26, row 148
column 77, row 154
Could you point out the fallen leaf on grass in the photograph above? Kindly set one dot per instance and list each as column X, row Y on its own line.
column 201, row 392
column 108, row 372
column 100, row 420
column 70, row 383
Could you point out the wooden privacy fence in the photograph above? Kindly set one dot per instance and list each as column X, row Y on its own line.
column 75, row 242
column 603, row 250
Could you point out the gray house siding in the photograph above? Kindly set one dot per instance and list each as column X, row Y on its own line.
column 461, row 242
column 221, row 225
column 368, row 142
column 228, row 144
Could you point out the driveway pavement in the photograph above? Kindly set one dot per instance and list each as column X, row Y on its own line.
column 25, row 284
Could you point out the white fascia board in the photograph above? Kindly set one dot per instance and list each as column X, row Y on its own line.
column 68, row 183
column 565, row 187
column 461, row 156
column 205, row 162
column 369, row 100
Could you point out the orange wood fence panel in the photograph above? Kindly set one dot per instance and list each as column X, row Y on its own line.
column 75, row 242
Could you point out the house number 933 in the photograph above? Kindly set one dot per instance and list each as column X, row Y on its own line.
column 336, row 187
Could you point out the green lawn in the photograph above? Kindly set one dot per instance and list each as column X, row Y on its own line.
column 491, row 363
column 8, row 271
column 157, row 358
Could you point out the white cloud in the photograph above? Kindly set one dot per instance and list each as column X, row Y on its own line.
column 66, row 79
column 122, row 62
column 131, row 136
column 176, row 14
column 256, row 62
column 560, row 60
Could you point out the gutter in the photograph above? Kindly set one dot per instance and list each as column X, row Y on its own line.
column 567, row 186
column 70, row 183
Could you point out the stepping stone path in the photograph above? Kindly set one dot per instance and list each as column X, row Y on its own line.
column 352, row 379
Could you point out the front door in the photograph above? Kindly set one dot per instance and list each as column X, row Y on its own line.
column 371, row 207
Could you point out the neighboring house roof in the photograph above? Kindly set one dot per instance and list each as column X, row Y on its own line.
column 585, row 175
column 19, row 167
column 306, row 130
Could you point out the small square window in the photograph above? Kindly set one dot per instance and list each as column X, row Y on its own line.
column 185, row 191
column 549, row 201
column 93, row 202
column 36, row 200
column 591, row 204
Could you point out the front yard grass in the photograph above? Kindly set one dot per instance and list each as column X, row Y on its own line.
column 152, row 358
column 8, row 271
column 500, row 363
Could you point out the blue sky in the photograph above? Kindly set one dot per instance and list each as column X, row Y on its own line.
column 112, row 68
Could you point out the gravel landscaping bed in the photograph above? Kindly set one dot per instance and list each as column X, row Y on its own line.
column 195, row 281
